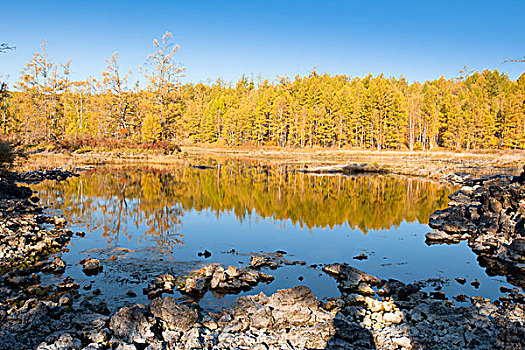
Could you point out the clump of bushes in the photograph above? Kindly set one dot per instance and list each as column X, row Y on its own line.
column 9, row 153
column 165, row 147
column 84, row 144
column 73, row 143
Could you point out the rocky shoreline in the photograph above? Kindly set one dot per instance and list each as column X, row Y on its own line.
column 490, row 214
column 371, row 313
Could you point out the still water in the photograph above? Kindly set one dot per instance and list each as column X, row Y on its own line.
column 142, row 221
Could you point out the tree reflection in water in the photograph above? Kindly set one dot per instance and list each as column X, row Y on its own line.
column 111, row 197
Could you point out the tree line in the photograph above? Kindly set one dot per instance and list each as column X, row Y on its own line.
column 477, row 110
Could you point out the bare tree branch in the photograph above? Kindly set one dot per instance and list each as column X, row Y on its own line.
column 519, row 60
column 4, row 47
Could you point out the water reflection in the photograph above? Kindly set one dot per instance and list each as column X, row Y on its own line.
column 142, row 221
column 110, row 198
column 114, row 200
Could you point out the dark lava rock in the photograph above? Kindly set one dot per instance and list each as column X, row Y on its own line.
column 97, row 307
column 461, row 280
column 518, row 246
column 461, row 298
column 286, row 308
column 67, row 284
column 206, row 254
column 504, row 289
column 164, row 283
column 400, row 290
column 58, row 221
column 9, row 190
column 262, row 261
column 360, row 257
column 439, row 294
column 37, row 176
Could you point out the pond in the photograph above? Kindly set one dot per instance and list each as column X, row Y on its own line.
column 142, row 221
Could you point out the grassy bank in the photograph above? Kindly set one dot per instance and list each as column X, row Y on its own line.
column 429, row 163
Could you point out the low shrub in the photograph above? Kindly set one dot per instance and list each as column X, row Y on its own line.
column 166, row 147
column 9, row 153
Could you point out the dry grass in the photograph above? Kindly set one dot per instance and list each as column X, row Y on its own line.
column 429, row 163
column 490, row 159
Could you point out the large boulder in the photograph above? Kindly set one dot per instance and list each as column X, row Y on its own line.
column 175, row 317
column 131, row 325
column 294, row 307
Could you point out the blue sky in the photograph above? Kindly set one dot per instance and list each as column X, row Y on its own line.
column 420, row 40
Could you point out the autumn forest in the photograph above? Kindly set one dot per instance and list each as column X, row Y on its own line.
column 476, row 110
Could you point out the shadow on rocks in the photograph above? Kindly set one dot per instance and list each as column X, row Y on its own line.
column 371, row 313
column 490, row 214
column 34, row 316
column 288, row 319
column 401, row 316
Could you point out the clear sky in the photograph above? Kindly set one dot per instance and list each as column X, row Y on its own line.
column 420, row 39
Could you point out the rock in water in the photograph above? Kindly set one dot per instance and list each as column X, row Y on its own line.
column 461, row 280
column 57, row 266
column 214, row 277
column 206, row 254
column 490, row 213
column 91, row 266
column 360, row 257
column 59, row 221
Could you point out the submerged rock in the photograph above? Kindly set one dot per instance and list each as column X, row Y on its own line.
column 272, row 260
